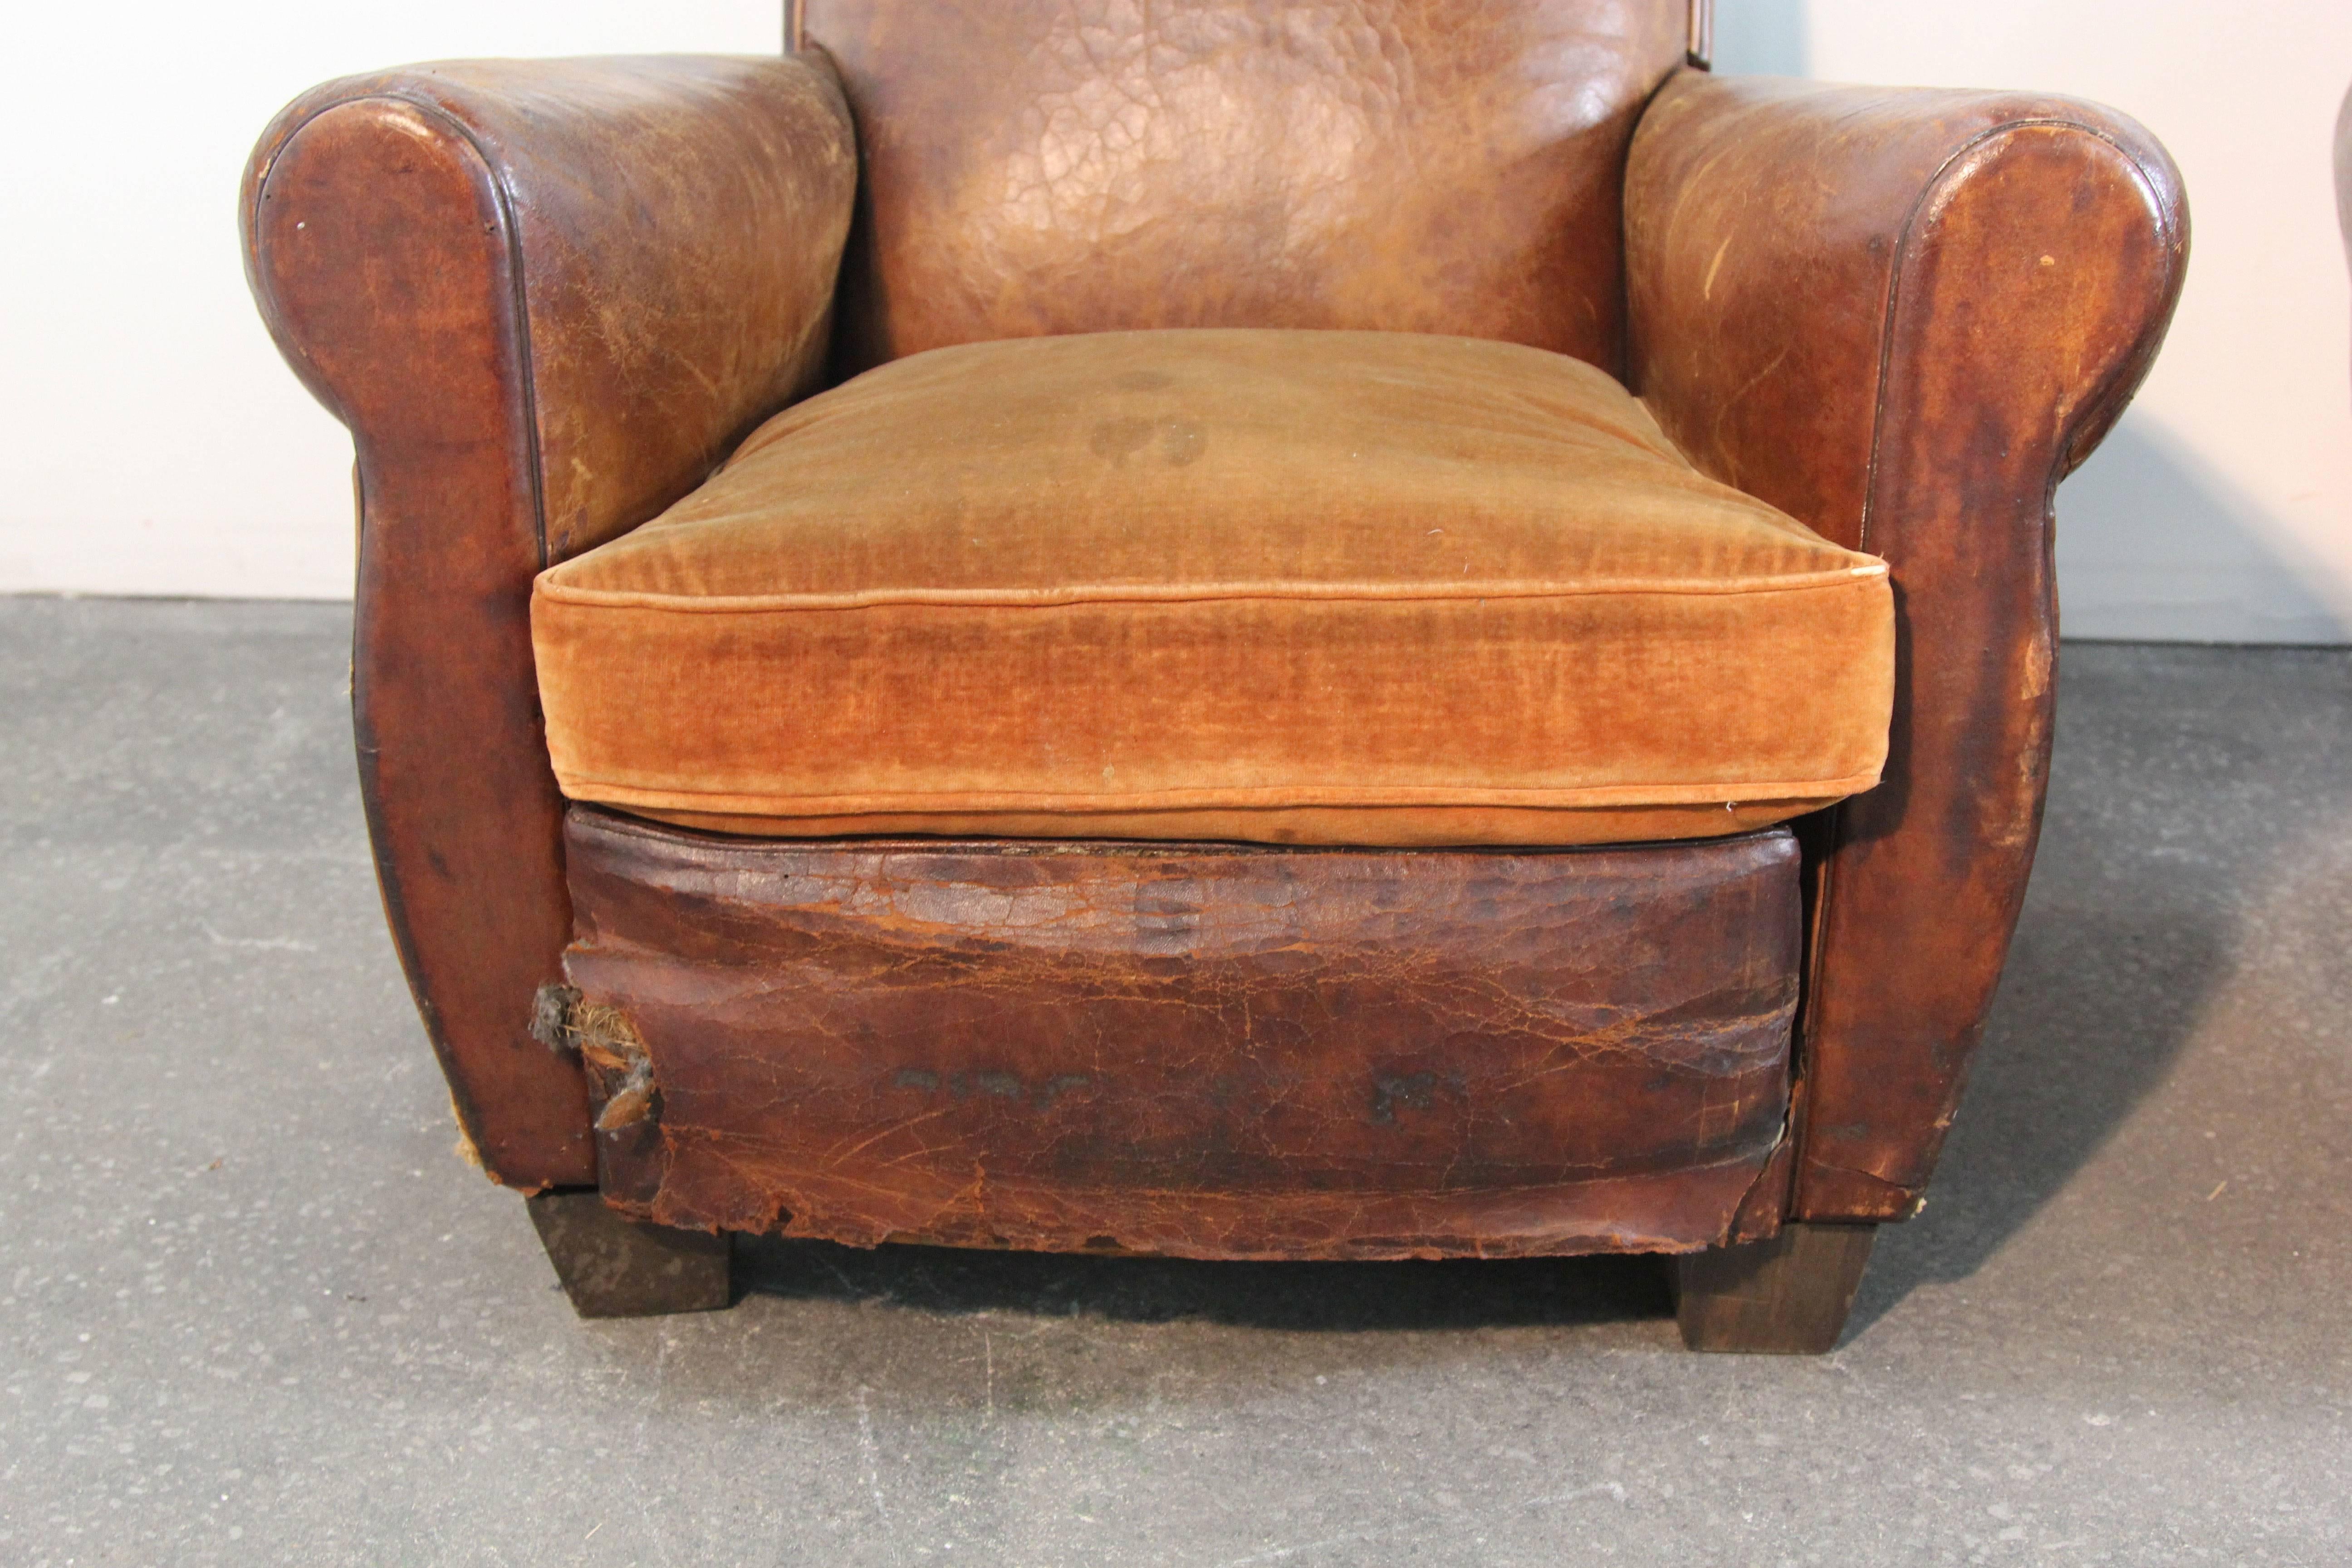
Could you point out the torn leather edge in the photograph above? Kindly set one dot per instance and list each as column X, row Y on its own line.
column 608, row 1044
column 1765, row 1209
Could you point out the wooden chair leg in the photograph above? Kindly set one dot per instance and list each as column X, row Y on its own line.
column 1788, row 1296
column 616, row 1268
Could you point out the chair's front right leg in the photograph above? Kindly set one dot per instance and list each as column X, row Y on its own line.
column 1786, row 1296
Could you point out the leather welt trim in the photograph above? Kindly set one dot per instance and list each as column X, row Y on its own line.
column 1013, row 598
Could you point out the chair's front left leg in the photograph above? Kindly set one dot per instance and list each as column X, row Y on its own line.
column 615, row 1268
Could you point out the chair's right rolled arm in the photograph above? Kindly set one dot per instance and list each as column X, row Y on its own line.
column 651, row 243
column 1902, row 316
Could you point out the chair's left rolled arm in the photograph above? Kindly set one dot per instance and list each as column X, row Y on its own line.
column 546, row 298
column 1902, row 316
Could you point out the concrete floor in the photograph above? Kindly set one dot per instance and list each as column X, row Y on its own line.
column 255, row 1312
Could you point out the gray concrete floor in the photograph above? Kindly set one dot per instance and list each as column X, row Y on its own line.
column 256, row 1311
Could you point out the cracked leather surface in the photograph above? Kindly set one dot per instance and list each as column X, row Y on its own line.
column 1199, row 1050
column 1037, row 166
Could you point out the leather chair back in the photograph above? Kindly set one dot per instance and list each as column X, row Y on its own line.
column 1042, row 166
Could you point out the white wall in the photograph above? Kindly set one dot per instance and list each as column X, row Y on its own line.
column 153, row 443
column 151, row 439
column 2221, row 508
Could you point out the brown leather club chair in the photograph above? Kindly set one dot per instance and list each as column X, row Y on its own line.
column 1233, row 630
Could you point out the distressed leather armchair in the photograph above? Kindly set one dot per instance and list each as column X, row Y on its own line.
column 1233, row 630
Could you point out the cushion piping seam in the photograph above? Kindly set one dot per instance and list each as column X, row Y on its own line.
column 1763, row 791
column 1039, row 598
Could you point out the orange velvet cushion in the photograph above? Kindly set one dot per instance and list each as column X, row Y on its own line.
column 1285, row 587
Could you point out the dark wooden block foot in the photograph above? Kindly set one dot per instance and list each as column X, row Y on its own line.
column 616, row 1268
column 1788, row 1296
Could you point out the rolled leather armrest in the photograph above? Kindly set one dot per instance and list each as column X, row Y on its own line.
column 1903, row 316
column 2344, row 171
column 547, row 297
column 667, row 233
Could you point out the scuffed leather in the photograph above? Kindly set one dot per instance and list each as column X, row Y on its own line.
column 1901, row 316
column 678, row 225
column 1195, row 1050
column 1039, row 166
column 546, row 298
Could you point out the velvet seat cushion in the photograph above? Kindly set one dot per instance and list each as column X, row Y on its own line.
column 1283, row 586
